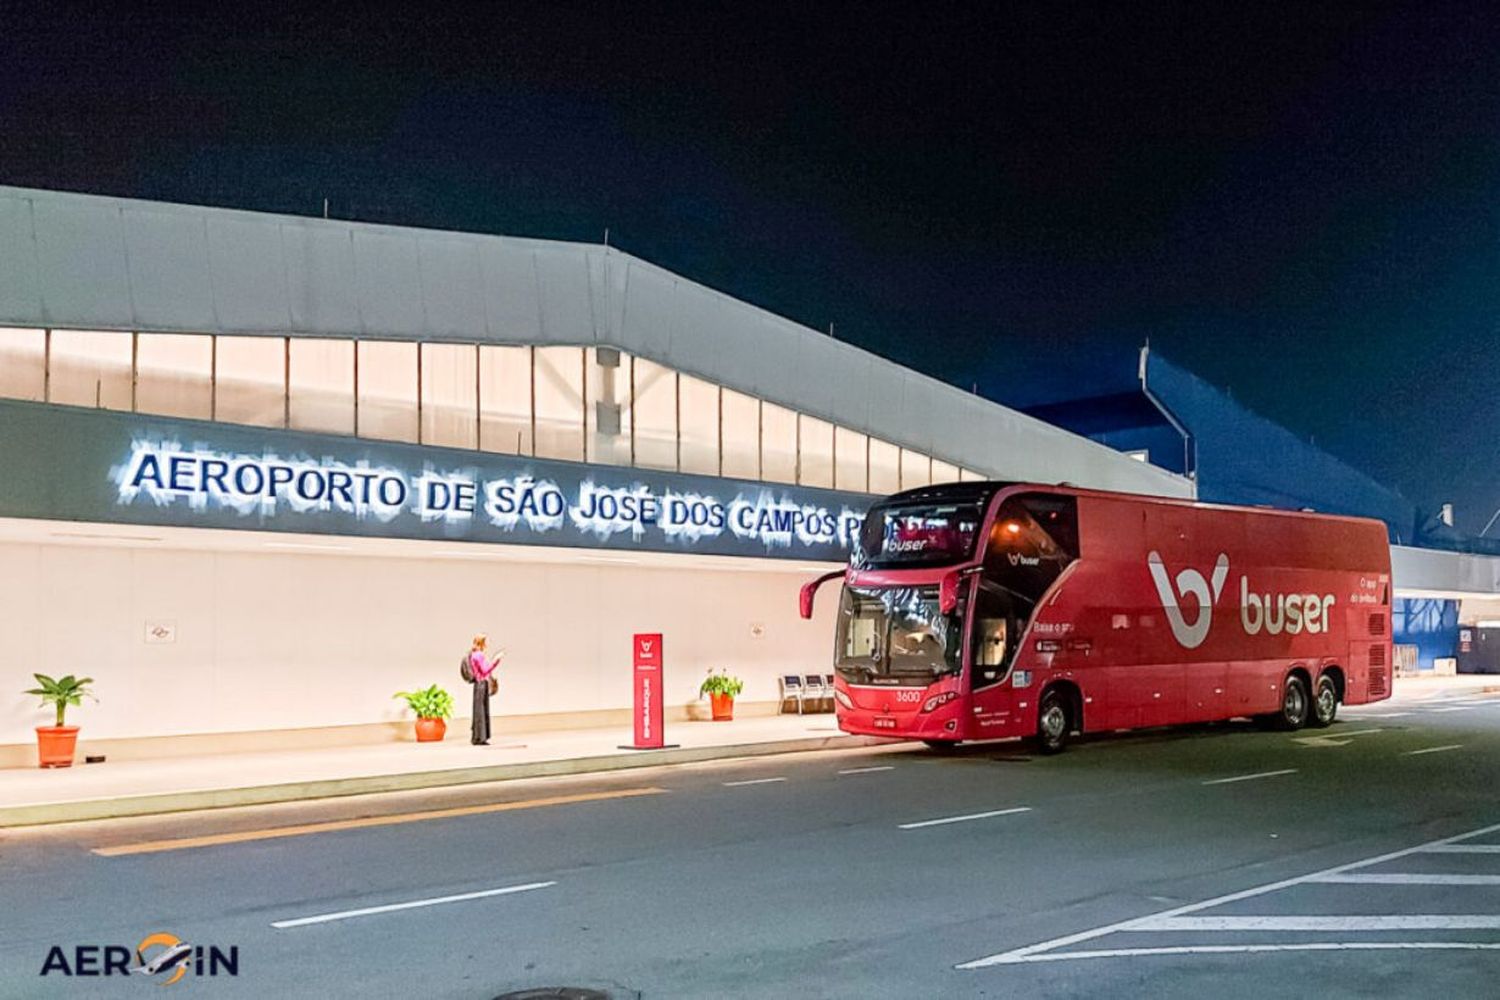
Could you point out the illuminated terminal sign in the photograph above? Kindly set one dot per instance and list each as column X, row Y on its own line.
column 491, row 497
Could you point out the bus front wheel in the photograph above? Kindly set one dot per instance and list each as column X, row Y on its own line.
column 1053, row 722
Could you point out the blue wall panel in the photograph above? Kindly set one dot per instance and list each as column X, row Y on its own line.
column 1429, row 624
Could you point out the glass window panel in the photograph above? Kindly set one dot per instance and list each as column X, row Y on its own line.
column 450, row 403
column 741, row 435
column 885, row 467
column 250, row 380
column 174, row 374
column 815, row 444
column 850, row 471
column 698, row 413
column 916, row 469
column 388, row 390
column 654, row 415
column 608, row 413
column 91, row 369
column 559, row 403
column 505, row 399
column 966, row 476
column 23, row 363
column 942, row 472
column 778, row 443
column 320, row 383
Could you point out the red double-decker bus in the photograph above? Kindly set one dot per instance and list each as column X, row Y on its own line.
column 977, row 611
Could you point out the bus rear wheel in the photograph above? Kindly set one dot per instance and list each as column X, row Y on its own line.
column 1053, row 723
column 1295, row 704
column 1325, row 703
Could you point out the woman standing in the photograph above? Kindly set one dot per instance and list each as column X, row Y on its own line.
column 481, row 671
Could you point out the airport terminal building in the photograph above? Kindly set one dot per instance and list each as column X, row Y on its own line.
column 259, row 472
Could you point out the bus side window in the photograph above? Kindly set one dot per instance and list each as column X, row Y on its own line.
column 991, row 648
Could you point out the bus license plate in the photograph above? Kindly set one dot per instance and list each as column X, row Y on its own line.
column 883, row 723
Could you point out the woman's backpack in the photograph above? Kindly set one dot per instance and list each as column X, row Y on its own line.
column 466, row 669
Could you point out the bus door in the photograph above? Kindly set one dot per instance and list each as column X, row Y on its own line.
column 998, row 621
column 1033, row 539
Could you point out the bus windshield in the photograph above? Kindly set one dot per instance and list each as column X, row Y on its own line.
column 910, row 535
column 895, row 632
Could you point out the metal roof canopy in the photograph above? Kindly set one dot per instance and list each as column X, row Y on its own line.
column 75, row 261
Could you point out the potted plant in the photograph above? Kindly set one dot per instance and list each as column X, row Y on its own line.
column 721, row 689
column 432, row 705
column 55, row 744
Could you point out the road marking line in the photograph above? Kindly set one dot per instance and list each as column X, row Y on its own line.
column 1250, row 777
column 1462, row 849
column 963, row 819
column 210, row 840
column 752, row 781
column 1333, row 738
column 1399, row 922
column 1383, row 715
column 868, row 770
column 366, row 911
column 1402, row 878
column 1029, row 952
column 1450, row 746
column 1236, row 949
column 1456, row 708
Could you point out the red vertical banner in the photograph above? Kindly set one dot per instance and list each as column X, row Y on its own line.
column 648, row 690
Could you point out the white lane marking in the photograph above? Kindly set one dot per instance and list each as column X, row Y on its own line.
column 963, row 819
column 1235, row 949
column 1400, row 922
column 1250, row 777
column 1026, row 954
column 1383, row 715
column 324, row 918
column 1335, row 738
column 1450, row 746
column 868, row 770
column 1456, row 708
column 1462, row 849
column 1404, row 878
column 752, row 781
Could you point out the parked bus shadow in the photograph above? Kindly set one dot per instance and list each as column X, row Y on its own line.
column 1024, row 751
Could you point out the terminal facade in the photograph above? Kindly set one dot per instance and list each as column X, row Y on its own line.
column 264, row 471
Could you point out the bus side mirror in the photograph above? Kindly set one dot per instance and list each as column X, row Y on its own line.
column 809, row 590
column 948, row 593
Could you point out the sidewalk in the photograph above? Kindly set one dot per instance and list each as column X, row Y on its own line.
column 142, row 787
column 1433, row 686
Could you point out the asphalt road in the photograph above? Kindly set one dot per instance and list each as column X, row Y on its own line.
column 1218, row 861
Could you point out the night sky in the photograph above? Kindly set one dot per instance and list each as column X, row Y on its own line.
column 1300, row 204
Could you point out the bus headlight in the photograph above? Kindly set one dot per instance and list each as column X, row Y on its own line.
column 843, row 699
column 938, row 700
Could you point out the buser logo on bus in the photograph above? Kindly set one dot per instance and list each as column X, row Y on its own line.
column 1189, row 581
column 1272, row 612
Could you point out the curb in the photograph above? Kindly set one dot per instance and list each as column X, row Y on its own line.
column 255, row 795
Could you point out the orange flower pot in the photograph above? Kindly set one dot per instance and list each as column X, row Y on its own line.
column 55, row 745
column 431, row 730
column 723, row 707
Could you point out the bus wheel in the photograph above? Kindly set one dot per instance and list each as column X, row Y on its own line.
column 1294, row 704
column 941, row 746
column 1052, row 722
column 1325, row 703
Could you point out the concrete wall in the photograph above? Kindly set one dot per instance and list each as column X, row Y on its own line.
column 290, row 640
